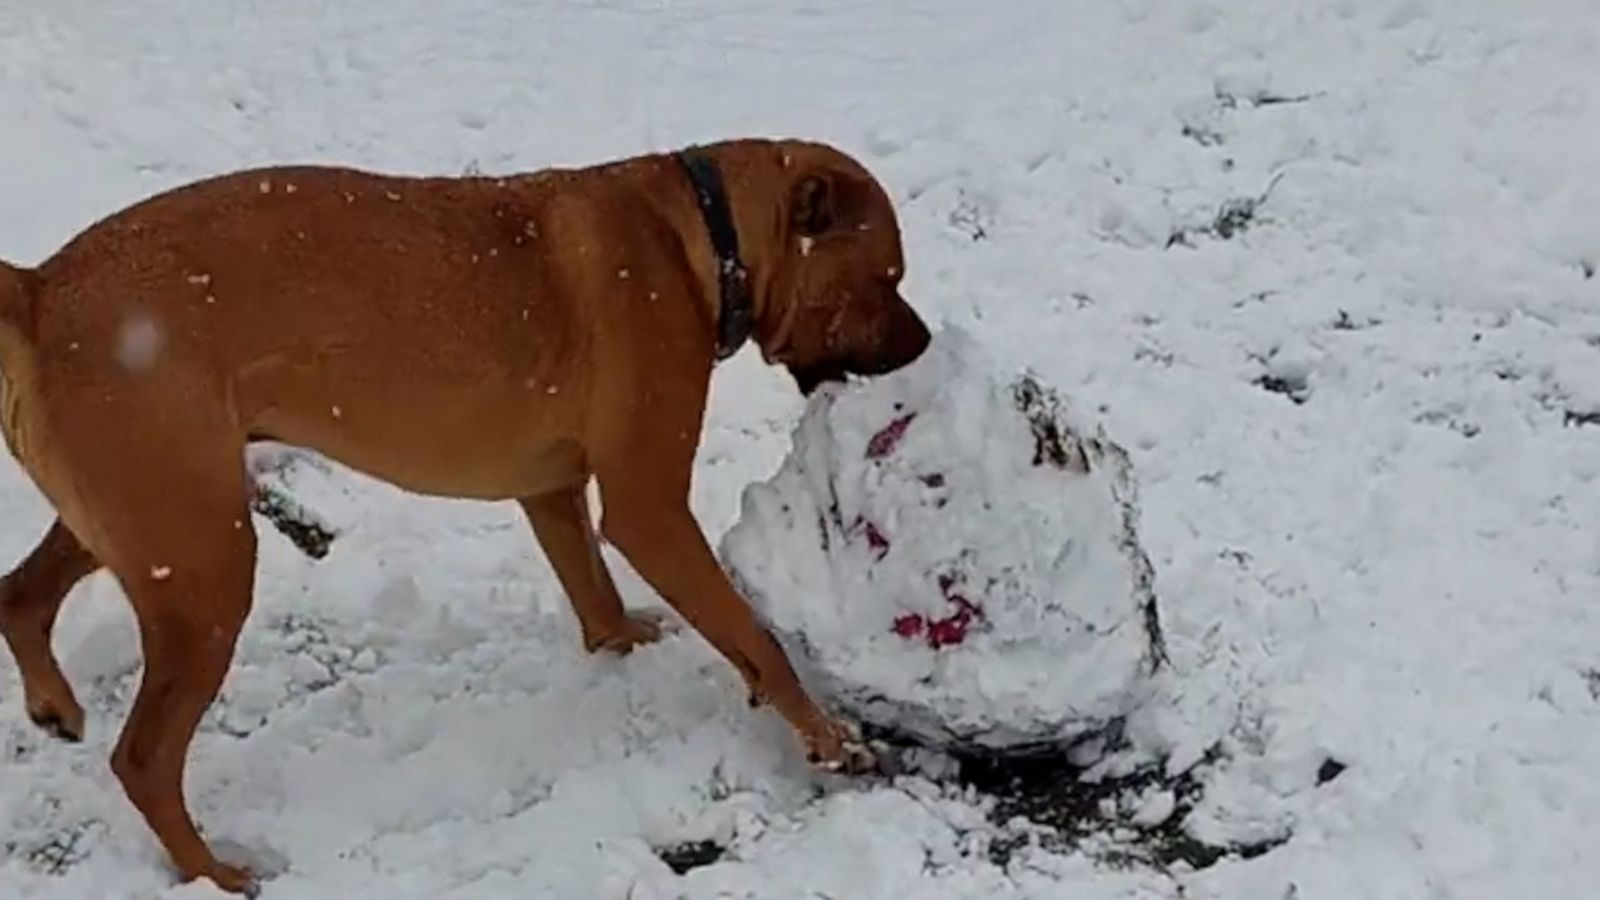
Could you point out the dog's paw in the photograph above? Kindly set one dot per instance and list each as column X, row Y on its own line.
column 635, row 630
column 62, row 720
column 233, row 879
column 839, row 748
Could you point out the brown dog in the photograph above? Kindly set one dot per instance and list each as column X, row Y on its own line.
column 490, row 338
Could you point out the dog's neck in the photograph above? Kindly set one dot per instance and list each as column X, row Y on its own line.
column 750, row 173
column 735, row 312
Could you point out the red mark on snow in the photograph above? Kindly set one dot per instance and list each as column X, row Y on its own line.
column 910, row 625
column 876, row 540
column 888, row 437
column 949, row 631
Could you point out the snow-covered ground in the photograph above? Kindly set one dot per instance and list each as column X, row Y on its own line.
column 1327, row 269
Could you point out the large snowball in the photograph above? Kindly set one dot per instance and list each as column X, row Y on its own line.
column 949, row 554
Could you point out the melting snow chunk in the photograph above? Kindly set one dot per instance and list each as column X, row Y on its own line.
column 951, row 555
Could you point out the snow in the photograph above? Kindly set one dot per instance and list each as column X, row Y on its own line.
column 1396, row 572
column 957, row 560
column 139, row 343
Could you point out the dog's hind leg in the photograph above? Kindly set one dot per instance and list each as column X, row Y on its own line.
column 168, row 514
column 189, row 577
column 562, row 523
column 189, row 621
column 30, row 599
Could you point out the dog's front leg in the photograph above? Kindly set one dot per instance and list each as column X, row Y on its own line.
column 647, row 517
column 561, row 522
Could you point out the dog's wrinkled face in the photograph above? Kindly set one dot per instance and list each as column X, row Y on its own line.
column 836, row 284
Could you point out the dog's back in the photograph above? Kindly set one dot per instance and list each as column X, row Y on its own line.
column 332, row 308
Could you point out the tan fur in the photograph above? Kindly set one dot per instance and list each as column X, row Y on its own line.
column 491, row 338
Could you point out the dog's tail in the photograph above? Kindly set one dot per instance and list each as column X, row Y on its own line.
column 17, row 288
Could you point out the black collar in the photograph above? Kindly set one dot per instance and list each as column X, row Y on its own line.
column 733, row 319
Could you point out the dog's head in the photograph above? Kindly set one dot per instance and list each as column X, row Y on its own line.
column 833, row 304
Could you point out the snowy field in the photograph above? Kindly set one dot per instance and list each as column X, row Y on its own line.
column 1327, row 269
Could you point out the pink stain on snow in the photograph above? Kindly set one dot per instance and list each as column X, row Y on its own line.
column 910, row 625
column 888, row 438
column 875, row 538
column 949, row 631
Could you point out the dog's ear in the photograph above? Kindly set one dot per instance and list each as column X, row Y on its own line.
column 813, row 205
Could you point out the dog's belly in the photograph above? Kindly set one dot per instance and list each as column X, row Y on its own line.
column 468, row 447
